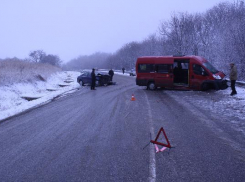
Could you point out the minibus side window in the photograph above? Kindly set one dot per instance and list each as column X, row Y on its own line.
column 145, row 68
column 198, row 70
column 162, row 68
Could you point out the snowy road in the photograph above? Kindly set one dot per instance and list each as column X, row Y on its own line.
column 99, row 136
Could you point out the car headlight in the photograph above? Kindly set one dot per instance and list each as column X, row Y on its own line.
column 217, row 77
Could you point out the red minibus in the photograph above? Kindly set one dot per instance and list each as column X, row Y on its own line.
column 178, row 72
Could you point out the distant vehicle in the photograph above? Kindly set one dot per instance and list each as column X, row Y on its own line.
column 132, row 72
column 178, row 72
column 102, row 79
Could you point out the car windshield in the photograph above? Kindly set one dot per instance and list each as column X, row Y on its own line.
column 99, row 73
column 88, row 73
column 210, row 67
column 85, row 73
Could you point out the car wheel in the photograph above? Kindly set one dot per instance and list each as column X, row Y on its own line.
column 205, row 86
column 81, row 83
column 151, row 86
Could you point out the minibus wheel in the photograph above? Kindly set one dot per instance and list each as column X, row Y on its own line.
column 205, row 86
column 151, row 86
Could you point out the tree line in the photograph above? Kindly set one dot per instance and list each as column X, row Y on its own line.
column 217, row 34
column 39, row 56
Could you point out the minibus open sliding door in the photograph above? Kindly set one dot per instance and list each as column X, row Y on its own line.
column 181, row 72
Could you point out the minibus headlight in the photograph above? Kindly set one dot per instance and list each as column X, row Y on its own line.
column 217, row 77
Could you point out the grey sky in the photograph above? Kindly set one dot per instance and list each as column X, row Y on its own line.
column 69, row 28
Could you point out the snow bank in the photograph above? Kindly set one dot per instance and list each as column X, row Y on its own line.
column 12, row 97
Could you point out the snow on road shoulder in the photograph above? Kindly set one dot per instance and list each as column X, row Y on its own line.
column 235, row 103
column 13, row 97
column 218, row 102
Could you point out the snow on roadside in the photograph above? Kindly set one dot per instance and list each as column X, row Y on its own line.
column 235, row 103
column 220, row 102
column 12, row 103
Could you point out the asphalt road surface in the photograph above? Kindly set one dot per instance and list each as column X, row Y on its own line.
column 100, row 135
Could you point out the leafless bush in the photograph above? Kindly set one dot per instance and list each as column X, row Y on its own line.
column 15, row 71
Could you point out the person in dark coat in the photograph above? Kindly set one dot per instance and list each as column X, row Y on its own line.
column 123, row 70
column 233, row 78
column 93, row 77
column 111, row 73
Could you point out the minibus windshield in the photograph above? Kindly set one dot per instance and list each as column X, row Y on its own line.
column 210, row 67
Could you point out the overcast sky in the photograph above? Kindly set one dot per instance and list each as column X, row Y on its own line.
column 69, row 28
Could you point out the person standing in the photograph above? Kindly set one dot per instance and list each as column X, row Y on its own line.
column 123, row 70
column 233, row 78
column 93, row 77
column 111, row 73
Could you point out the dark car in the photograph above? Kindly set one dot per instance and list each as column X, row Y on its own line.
column 101, row 78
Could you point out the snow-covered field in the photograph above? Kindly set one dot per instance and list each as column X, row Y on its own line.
column 12, row 97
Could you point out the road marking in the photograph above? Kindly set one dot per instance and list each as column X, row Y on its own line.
column 152, row 162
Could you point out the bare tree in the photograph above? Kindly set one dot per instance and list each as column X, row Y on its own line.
column 180, row 33
column 36, row 56
column 237, row 37
column 152, row 46
column 51, row 59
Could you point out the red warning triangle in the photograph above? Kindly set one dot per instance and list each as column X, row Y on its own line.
column 160, row 143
